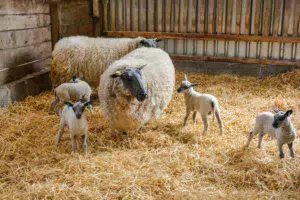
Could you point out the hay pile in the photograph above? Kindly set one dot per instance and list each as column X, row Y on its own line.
column 164, row 160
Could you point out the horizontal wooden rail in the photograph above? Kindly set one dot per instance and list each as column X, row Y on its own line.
column 200, row 36
column 237, row 60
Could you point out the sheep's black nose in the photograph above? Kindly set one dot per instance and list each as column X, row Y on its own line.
column 142, row 96
column 78, row 116
column 179, row 90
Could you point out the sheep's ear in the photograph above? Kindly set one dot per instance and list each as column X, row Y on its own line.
column 289, row 112
column 185, row 77
column 68, row 104
column 194, row 84
column 275, row 110
column 143, row 42
column 87, row 103
column 115, row 75
column 158, row 40
column 74, row 79
column 80, row 77
column 141, row 67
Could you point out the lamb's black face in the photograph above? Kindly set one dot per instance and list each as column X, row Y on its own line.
column 150, row 43
column 78, row 108
column 132, row 80
column 280, row 117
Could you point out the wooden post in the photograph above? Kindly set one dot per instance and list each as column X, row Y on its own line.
column 97, row 17
column 55, row 23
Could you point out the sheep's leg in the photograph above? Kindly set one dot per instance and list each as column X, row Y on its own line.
column 251, row 134
column 61, row 131
column 220, row 122
column 281, row 154
column 194, row 117
column 260, row 138
column 53, row 104
column 186, row 117
column 84, row 143
column 291, row 150
column 58, row 108
column 74, row 143
column 205, row 123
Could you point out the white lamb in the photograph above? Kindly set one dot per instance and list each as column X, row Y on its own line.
column 77, row 90
column 74, row 117
column 137, row 88
column 278, row 126
column 90, row 56
column 203, row 103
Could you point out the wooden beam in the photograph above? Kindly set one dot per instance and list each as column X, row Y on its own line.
column 236, row 60
column 200, row 36
column 55, row 23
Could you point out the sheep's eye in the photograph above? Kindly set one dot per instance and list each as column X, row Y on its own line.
column 185, row 87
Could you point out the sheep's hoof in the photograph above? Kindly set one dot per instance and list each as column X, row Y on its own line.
column 124, row 133
column 281, row 156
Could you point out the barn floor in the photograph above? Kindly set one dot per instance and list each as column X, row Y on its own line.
column 162, row 161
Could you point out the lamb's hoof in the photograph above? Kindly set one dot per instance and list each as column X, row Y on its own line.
column 281, row 156
column 124, row 133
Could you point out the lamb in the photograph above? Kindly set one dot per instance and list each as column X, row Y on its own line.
column 74, row 117
column 90, row 56
column 76, row 90
column 137, row 88
column 278, row 126
column 203, row 103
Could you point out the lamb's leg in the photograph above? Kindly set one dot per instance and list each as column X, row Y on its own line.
column 53, row 104
column 251, row 134
column 260, row 138
column 74, row 143
column 84, row 143
column 220, row 122
column 194, row 117
column 58, row 108
column 205, row 123
column 291, row 150
column 61, row 131
column 281, row 154
column 186, row 117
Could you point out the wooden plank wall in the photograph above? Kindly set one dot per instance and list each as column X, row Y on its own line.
column 73, row 17
column 247, row 31
column 25, row 38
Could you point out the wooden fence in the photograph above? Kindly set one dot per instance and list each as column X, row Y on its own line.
column 246, row 31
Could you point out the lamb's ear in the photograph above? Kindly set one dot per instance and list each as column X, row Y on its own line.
column 87, row 103
column 141, row 67
column 289, row 112
column 68, row 104
column 143, row 42
column 194, row 84
column 115, row 75
column 158, row 40
column 185, row 77
column 74, row 79
column 275, row 110
column 80, row 77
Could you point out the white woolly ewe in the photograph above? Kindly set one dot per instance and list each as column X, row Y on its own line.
column 123, row 111
column 81, row 55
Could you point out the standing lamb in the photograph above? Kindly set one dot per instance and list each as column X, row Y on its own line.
column 90, row 56
column 74, row 117
column 76, row 90
column 137, row 88
column 278, row 126
column 203, row 103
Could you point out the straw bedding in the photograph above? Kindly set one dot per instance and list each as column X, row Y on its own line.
column 163, row 160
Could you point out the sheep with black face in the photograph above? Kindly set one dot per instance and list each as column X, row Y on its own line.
column 278, row 126
column 137, row 88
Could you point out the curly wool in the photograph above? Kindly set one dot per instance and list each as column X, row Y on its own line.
column 123, row 111
column 81, row 55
